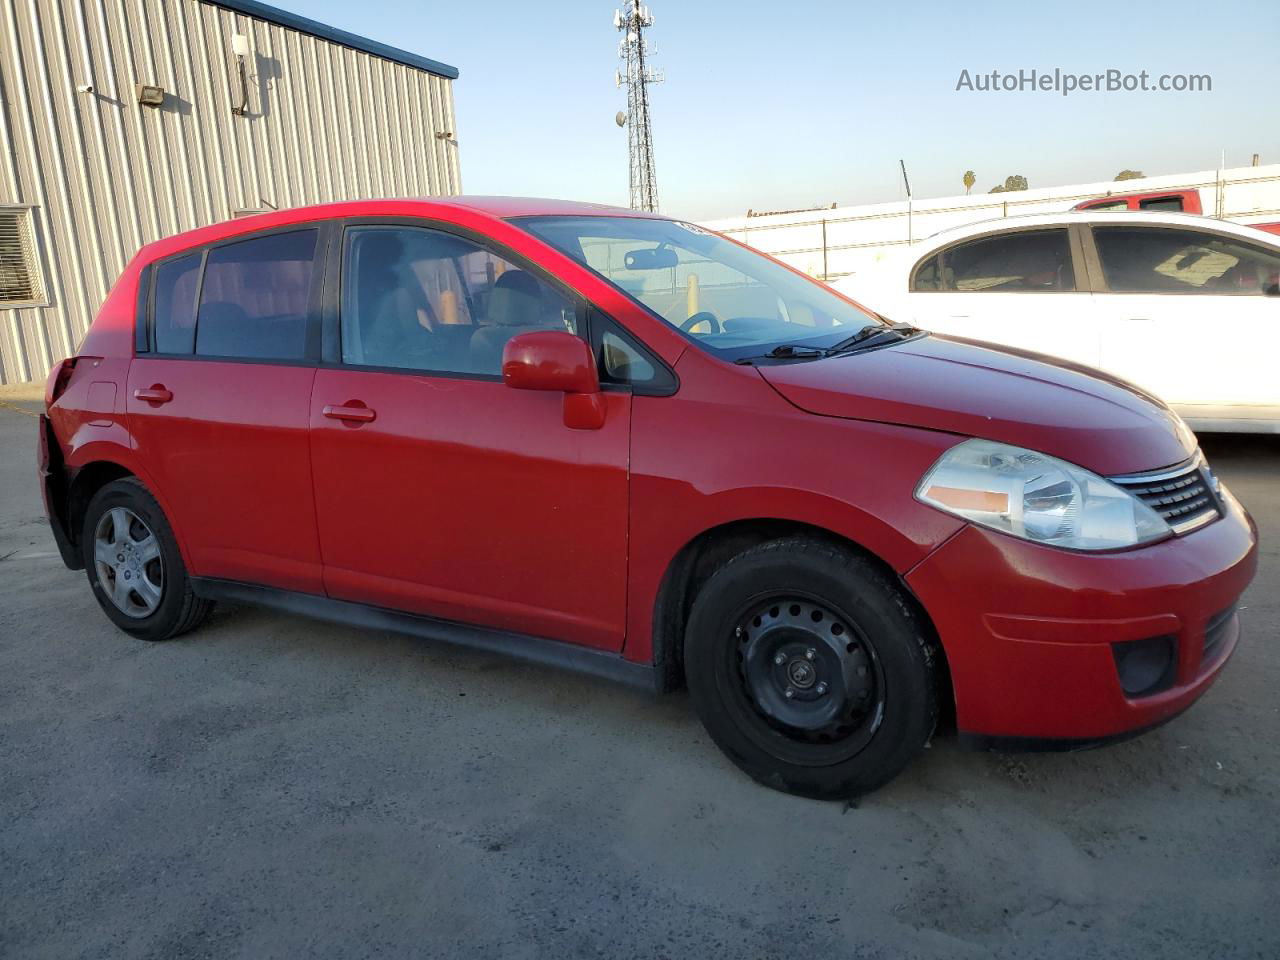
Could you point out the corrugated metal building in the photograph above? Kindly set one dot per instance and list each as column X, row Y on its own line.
column 124, row 121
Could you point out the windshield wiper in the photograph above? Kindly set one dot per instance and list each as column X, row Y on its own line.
column 786, row 351
column 866, row 337
column 872, row 336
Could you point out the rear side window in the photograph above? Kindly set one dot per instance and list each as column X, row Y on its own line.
column 1164, row 260
column 255, row 297
column 1028, row 261
column 1162, row 204
column 174, row 307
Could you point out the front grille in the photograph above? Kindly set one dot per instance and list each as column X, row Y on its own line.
column 1216, row 630
column 1182, row 495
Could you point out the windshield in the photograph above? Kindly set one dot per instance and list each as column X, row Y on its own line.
column 729, row 299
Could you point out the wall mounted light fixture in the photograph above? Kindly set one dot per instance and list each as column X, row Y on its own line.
column 149, row 94
column 240, row 48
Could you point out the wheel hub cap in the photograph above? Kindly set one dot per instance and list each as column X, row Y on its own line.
column 805, row 669
column 801, row 673
column 128, row 562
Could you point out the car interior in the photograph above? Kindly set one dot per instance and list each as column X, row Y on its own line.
column 424, row 301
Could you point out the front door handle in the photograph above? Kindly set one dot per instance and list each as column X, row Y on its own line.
column 349, row 412
column 156, row 394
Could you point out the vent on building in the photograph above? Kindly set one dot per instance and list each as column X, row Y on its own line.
column 19, row 264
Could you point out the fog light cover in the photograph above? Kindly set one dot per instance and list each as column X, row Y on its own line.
column 1146, row 666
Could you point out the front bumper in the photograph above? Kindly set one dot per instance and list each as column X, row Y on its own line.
column 1029, row 630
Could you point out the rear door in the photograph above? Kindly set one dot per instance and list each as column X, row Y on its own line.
column 1022, row 287
column 440, row 490
column 218, row 404
column 1190, row 314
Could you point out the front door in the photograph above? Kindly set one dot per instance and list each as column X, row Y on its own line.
column 1018, row 287
column 441, row 491
column 218, row 406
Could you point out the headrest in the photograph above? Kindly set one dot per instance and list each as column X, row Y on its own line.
column 510, row 307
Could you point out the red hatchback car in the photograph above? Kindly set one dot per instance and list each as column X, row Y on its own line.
column 624, row 444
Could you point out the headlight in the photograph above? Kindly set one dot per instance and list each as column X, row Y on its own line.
column 1037, row 497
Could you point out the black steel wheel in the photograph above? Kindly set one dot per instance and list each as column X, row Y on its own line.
column 811, row 669
column 810, row 673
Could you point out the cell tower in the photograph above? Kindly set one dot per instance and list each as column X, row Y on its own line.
column 634, row 50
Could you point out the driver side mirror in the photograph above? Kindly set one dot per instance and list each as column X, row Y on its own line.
column 559, row 361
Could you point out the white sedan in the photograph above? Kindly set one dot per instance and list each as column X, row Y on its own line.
column 1186, row 307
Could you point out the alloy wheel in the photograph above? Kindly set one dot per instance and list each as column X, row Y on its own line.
column 128, row 561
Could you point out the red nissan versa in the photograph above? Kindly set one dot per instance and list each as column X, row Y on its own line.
column 621, row 443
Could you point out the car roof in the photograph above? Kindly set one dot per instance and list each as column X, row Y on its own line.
column 467, row 207
column 506, row 207
column 1109, row 217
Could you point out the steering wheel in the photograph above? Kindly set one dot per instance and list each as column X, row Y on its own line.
column 703, row 316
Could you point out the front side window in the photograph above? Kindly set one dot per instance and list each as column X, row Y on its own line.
column 728, row 298
column 422, row 299
column 255, row 297
column 1164, row 260
column 1035, row 261
column 623, row 363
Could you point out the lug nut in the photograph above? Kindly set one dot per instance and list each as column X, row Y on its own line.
column 821, row 688
column 780, row 659
column 791, row 692
column 809, row 654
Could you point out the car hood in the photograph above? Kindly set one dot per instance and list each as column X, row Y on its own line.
column 997, row 393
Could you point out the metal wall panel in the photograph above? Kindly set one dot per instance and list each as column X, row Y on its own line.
column 104, row 174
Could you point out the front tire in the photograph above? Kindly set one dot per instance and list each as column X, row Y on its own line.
column 134, row 565
column 811, row 669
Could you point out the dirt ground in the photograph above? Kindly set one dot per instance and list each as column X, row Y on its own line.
column 276, row 787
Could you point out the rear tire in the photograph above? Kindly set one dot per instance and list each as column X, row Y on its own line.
column 134, row 565
column 811, row 669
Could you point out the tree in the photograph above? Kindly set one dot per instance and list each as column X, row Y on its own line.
column 1130, row 175
column 1011, row 183
column 969, row 180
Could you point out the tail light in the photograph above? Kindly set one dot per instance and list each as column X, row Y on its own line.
column 59, row 377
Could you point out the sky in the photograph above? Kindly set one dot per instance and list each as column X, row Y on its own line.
column 804, row 103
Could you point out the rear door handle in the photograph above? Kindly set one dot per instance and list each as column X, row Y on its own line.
column 360, row 414
column 156, row 394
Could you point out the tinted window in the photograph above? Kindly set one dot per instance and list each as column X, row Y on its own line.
column 927, row 276
column 1155, row 260
column 254, row 301
column 1166, row 204
column 427, row 300
column 1025, row 261
column 173, row 311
